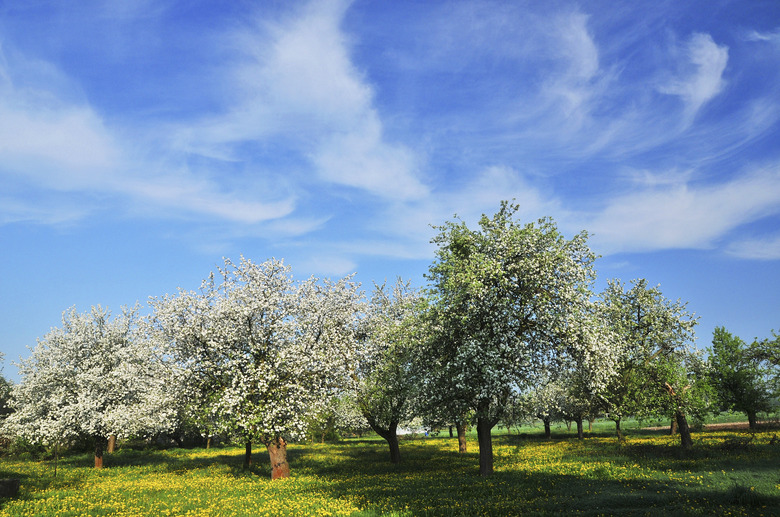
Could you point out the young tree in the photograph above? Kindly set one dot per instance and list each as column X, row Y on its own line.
column 91, row 377
column 545, row 402
column 656, row 336
column 268, row 352
column 384, row 380
column 737, row 376
column 505, row 298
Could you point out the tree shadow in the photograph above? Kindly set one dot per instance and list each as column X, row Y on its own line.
column 435, row 482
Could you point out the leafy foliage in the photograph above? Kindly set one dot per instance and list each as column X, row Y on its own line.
column 739, row 380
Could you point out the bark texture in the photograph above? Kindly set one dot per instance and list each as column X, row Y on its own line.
column 618, row 430
column 100, row 445
column 277, row 452
column 248, row 455
column 111, row 444
column 390, row 435
column 461, row 437
column 484, row 427
column 580, row 433
column 685, row 432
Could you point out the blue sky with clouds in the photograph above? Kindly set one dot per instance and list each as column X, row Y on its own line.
column 142, row 141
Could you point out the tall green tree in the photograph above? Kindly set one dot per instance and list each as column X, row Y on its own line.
column 383, row 382
column 738, row 377
column 657, row 365
column 505, row 297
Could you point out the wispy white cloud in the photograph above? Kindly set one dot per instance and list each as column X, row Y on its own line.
column 296, row 81
column 684, row 215
column 53, row 140
column 773, row 36
column 765, row 248
column 701, row 75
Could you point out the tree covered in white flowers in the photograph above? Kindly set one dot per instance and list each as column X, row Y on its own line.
column 659, row 371
column 93, row 376
column 266, row 352
column 383, row 380
column 546, row 401
column 506, row 298
column 341, row 415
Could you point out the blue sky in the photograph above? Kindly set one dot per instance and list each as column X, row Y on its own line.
column 142, row 141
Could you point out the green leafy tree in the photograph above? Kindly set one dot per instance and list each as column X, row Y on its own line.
column 738, row 377
column 384, row 386
column 657, row 365
column 505, row 298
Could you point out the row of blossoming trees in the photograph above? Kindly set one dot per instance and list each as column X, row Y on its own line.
column 510, row 313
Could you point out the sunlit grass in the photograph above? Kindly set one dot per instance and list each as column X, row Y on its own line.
column 727, row 473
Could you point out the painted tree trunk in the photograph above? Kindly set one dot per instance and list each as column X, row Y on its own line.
column 685, row 432
column 461, row 437
column 485, row 446
column 580, row 433
column 547, row 432
column 100, row 445
column 248, row 454
column 111, row 444
column 277, row 452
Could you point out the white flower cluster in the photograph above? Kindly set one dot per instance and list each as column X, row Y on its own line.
column 263, row 353
column 94, row 376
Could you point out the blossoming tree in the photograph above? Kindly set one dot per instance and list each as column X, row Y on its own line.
column 505, row 298
column 383, row 380
column 268, row 351
column 658, row 369
column 93, row 376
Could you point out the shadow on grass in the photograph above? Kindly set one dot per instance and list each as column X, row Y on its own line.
column 433, row 481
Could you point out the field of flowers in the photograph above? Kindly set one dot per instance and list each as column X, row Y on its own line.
column 727, row 473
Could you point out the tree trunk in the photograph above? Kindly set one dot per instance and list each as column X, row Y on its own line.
column 461, row 437
column 751, row 419
column 208, row 442
column 685, row 432
column 485, row 446
column 618, row 430
column 391, row 437
column 111, row 444
column 100, row 445
column 568, row 425
column 580, row 433
column 450, row 431
column 277, row 452
column 590, row 425
column 546, row 428
column 248, row 454
column 673, row 427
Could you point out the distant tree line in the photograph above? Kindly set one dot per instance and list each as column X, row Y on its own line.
column 508, row 329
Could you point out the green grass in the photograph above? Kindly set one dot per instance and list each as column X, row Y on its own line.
column 727, row 473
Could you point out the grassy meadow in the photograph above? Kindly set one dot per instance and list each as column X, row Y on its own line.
column 727, row 473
